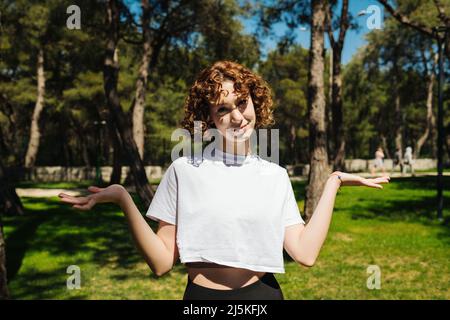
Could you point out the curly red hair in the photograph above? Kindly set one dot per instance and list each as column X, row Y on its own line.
column 206, row 91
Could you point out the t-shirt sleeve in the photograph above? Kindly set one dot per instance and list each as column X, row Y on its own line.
column 164, row 203
column 291, row 212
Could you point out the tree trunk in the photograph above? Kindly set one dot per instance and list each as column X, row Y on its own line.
column 4, row 292
column 138, row 104
column 35, row 134
column 398, row 116
column 447, row 141
column 336, row 108
column 10, row 204
column 328, row 125
column 398, row 121
column 82, row 140
column 336, row 85
column 292, row 143
column 116, row 174
column 431, row 121
column 141, row 83
column 385, row 146
column 319, row 169
column 121, row 121
column 84, row 153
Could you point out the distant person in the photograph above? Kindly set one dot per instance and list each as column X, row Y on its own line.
column 408, row 161
column 398, row 160
column 378, row 163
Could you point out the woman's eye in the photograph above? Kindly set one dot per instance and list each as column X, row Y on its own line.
column 221, row 110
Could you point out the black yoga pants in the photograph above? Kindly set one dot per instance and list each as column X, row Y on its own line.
column 266, row 288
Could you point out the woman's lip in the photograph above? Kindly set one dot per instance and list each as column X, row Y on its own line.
column 240, row 130
column 244, row 126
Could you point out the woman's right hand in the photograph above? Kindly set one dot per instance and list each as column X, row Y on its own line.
column 113, row 193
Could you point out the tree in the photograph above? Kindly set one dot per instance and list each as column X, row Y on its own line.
column 430, row 130
column 121, row 121
column 337, row 46
column 389, row 49
column 319, row 169
column 365, row 96
column 9, row 204
column 426, row 19
column 166, row 23
column 4, row 293
column 286, row 70
column 39, row 31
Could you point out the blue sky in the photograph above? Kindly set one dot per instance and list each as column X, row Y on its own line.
column 353, row 40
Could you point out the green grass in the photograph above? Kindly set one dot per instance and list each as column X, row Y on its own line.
column 394, row 228
column 430, row 170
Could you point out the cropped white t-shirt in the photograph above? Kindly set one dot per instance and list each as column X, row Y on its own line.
column 229, row 209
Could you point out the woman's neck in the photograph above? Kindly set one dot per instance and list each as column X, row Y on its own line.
column 237, row 148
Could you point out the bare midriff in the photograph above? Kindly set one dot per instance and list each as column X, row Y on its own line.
column 216, row 276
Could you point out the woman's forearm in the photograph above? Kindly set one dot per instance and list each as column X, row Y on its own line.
column 315, row 232
column 149, row 244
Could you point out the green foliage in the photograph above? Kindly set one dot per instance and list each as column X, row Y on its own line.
column 286, row 71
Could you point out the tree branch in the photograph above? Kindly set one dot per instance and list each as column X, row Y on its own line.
column 441, row 14
column 135, row 42
column 406, row 21
column 328, row 22
column 344, row 22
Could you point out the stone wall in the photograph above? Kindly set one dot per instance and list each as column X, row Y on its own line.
column 58, row 173
column 363, row 165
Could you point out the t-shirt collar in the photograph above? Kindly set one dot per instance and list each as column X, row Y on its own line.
column 231, row 158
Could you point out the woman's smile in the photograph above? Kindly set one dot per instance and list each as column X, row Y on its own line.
column 241, row 130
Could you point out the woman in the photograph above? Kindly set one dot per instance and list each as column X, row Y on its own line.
column 378, row 163
column 228, row 217
column 408, row 160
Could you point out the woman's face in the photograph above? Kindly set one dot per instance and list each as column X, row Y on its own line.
column 234, row 118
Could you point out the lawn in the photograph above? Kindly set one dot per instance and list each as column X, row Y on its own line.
column 394, row 228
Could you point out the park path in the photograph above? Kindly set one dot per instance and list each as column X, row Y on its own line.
column 42, row 192
column 45, row 192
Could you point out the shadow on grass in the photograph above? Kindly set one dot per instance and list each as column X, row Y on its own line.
column 420, row 183
column 44, row 284
column 406, row 208
column 18, row 242
column 416, row 203
column 100, row 236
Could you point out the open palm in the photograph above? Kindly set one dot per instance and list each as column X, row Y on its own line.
column 112, row 194
column 354, row 180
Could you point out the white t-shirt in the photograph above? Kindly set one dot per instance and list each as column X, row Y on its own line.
column 232, row 215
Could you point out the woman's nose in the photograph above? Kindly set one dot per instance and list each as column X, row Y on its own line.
column 236, row 116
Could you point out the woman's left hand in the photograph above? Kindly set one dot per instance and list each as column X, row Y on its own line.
column 348, row 179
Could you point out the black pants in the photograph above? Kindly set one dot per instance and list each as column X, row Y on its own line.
column 266, row 288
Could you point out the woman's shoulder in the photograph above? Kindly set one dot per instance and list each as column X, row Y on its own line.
column 272, row 167
column 180, row 162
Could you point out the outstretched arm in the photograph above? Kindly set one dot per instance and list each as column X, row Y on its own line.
column 303, row 243
column 151, row 246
